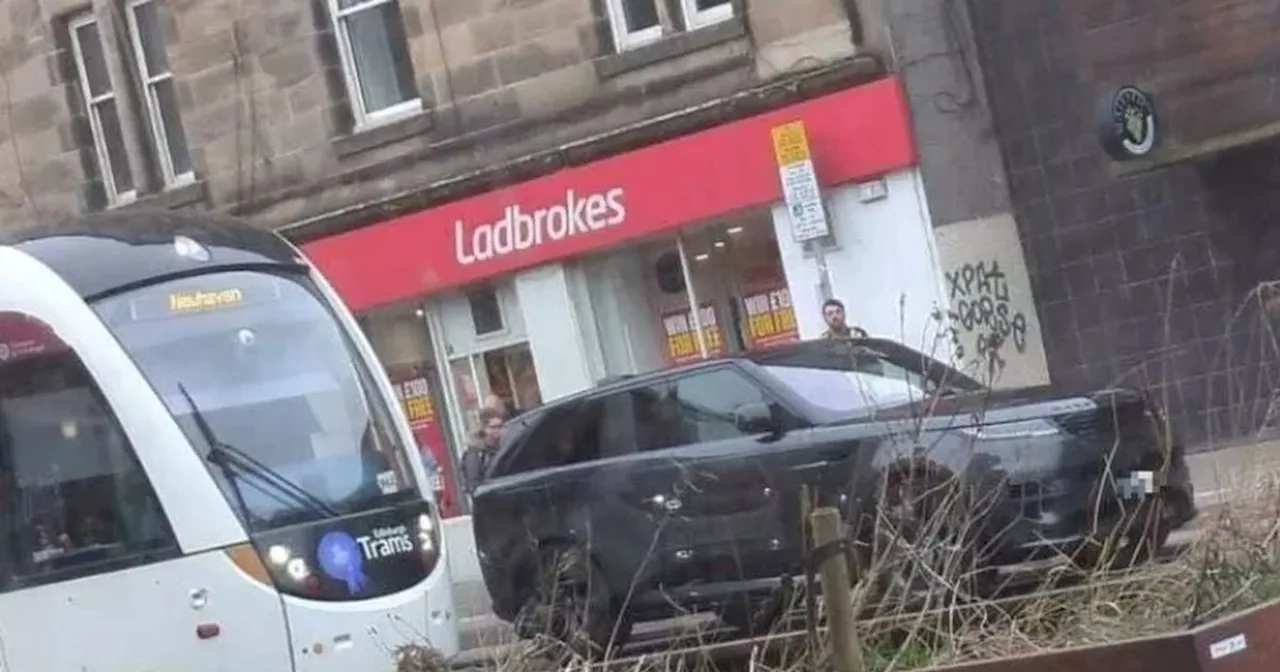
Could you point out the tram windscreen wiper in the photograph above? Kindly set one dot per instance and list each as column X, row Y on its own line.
column 228, row 457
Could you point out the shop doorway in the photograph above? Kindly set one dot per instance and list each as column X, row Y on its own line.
column 486, row 347
column 504, row 372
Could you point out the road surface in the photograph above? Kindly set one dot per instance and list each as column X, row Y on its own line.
column 1218, row 476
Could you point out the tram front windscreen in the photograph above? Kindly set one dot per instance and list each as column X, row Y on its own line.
column 266, row 382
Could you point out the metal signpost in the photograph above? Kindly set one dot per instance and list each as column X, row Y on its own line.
column 802, row 195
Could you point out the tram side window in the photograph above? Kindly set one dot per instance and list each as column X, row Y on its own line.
column 74, row 500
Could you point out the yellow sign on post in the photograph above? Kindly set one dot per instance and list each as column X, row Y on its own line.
column 790, row 145
column 800, row 189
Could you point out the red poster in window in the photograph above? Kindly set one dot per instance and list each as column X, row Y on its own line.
column 682, row 339
column 771, row 319
column 414, row 392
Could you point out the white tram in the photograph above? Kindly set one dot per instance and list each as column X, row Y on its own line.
column 202, row 465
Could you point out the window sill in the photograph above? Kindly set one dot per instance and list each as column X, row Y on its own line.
column 671, row 47
column 371, row 138
column 175, row 197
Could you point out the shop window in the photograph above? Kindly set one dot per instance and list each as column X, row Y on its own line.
column 486, row 311
column 74, row 500
column 374, row 53
column 636, row 23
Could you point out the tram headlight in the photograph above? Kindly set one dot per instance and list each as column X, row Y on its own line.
column 278, row 555
column 297, row 569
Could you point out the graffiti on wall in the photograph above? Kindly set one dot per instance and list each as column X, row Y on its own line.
column 992, row 329
column 981, row 308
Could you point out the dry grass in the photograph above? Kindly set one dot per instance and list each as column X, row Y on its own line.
column 1233, row 565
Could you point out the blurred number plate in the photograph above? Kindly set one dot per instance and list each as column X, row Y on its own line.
column 1138, row 484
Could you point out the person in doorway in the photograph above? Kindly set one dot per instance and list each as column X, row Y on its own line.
column 837, row 325
column 484, row 445
column 503, row 407
column 527, row 394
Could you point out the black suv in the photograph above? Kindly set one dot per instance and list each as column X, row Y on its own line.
column 680, row 489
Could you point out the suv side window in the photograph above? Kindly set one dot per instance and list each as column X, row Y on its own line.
column 74, row 500
column 692, row 409
column 708, row 402
column 620, row 430
column 563, row 436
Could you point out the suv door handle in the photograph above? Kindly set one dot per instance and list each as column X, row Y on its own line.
column 837, row 453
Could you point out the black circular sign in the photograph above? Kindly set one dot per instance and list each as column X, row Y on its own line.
column 1127, row 123
column 670, row 273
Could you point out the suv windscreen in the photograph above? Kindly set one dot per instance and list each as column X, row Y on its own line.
column 861, row 382
column 265, row 366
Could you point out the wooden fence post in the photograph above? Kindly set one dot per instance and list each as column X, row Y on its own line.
column 846, row 651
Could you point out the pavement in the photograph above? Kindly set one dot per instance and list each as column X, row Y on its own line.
column 1231, row 472
column 1219, row 477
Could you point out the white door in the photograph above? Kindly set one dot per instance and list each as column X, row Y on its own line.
column 106, row 565
column 559, row 354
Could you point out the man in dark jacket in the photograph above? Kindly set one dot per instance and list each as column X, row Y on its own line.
column 837, row 326
column 484, row 445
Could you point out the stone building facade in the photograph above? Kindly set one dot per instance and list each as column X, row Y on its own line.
column 1157, row 271
column 1153, row 273
column 255, row 107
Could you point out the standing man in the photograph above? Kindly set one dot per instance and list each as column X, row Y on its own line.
column 837, row 327
column 484, row 445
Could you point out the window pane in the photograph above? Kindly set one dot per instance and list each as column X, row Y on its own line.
column 73, row 493
column 639, row 14
column 848, row 391
column 620, row 431
column 152, row 38
column 380, row 50
column 174, row 136
column 93, row 62
column 708, row 402
column 278, row 387
column 486, row 314
column 694, row 409
column 562, row 437
column 643, row 419
column 704, row 5
column 113, row 141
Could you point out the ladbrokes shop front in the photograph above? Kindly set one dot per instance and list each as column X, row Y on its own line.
column 540, row 289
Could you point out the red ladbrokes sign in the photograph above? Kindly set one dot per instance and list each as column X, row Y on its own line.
column 854, row 134
column 579, row 214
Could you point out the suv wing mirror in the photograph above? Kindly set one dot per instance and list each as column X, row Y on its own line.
column 757, row 418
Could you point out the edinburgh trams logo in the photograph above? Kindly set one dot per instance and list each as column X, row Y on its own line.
column 342, row 557
column 1127, row 123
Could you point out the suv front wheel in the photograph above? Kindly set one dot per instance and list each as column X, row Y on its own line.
column 571, row 602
